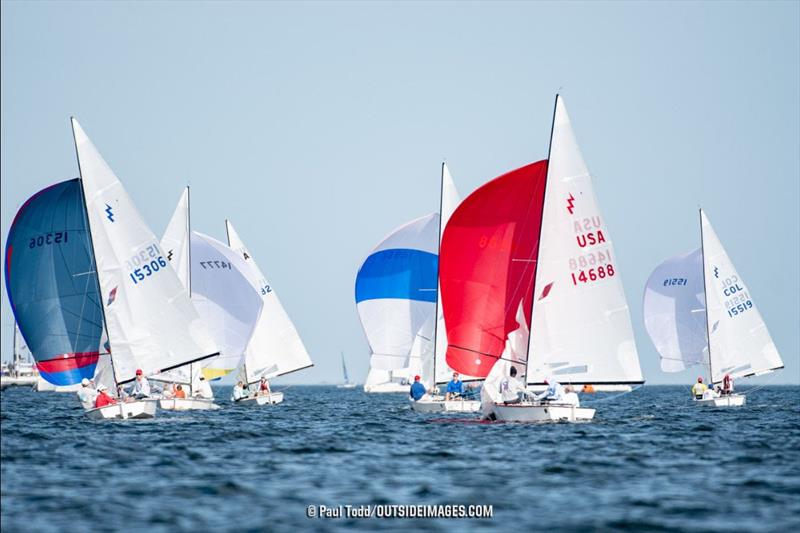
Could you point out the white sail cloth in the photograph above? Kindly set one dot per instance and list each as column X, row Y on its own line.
column 675, row 312
column 514, row 354
column 581, row 323
column 151, row 323
column 739, row 343
column 275, row 347
column 396, row 292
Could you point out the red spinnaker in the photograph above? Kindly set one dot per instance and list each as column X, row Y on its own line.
column 486, row 266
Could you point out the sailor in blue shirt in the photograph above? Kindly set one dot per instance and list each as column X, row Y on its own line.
column 417, row 389
column 455, row 388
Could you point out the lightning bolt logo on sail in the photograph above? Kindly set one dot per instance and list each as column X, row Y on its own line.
column 109, row 213
column 570, row 203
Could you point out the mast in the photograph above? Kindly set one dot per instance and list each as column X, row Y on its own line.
column 189, row 268
column 94, row 258
column 539, row 238
column 438, row 254
column 705, row 297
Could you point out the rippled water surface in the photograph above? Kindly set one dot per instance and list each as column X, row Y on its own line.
column 650, row 460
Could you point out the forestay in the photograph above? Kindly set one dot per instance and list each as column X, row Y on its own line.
column 275, row 348
column 581, row 329
column 150, row 320
column 52, row 284
column 740, row 344
column 675, row 312
column 395, row 292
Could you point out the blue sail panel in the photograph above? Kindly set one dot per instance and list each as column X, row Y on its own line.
column 52, row 285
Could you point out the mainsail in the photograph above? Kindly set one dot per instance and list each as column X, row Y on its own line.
column 486, row 267
column 275, row 347
column 52, row 285
column 150, row 320
column 581, row 329
column 739, row 343
column 396, row 293
column 675, row 312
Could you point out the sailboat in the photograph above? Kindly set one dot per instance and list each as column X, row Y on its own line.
column 698, row 311
column 395, row 295
column 347, row 383
column 21, row 371
column 275, row 348
column 214, row 278
column 435, row 371
column 545, row 265
column 147, row 316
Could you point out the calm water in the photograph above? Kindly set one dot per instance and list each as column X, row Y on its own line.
column 650, row 460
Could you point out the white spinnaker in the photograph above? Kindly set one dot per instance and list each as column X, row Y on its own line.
column 391, row 324
column 225, row 299
column 514, row 354
column 581, row 329
column 740, row 344
column 151, row 323
column 675, row 312
column 422, row 353
column 275, row 347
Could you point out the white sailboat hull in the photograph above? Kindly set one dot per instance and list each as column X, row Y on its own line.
column 139, row 409
column 19, row 381
column 527, row 412
column 187, row 404
column 387, row 388
column 730, row 400
column 346, row 386
column 273, row 398
column 438, row 404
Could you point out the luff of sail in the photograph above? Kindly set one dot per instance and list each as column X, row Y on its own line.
column 275, row 348
column 581, row 330
column 151, row 323
column 674, row 311
column 739, row 342
column 486, row 267
column 51, row 284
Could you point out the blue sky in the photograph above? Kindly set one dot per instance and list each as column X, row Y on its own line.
column 318, row 127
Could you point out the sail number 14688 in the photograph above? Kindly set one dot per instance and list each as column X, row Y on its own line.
column 593, row 274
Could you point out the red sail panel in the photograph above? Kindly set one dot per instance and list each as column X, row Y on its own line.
column 486, row 266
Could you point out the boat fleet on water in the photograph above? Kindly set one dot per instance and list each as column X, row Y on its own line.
column 518, row 288
column 515, row 289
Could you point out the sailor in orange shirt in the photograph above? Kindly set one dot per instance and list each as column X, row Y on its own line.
column 179, row 392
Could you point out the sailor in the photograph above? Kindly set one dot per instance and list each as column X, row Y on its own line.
column 554, row 391
column 263, row 387
column 511, row 389
column 141, row 387
column 204, row 390
column 709, row 394
column 168, row 391
column 417, row 390
column 238, row 392
column 103, row 398
column 455, row 388
column 87, row 394
column 699, row 388
column 727, row 384
column 571, row 397
column 179, row 392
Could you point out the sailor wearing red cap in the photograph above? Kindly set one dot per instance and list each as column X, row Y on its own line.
column 141, row 387
column 417, row 389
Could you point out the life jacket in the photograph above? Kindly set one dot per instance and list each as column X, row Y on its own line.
column 588, row 389
column 180, row 393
